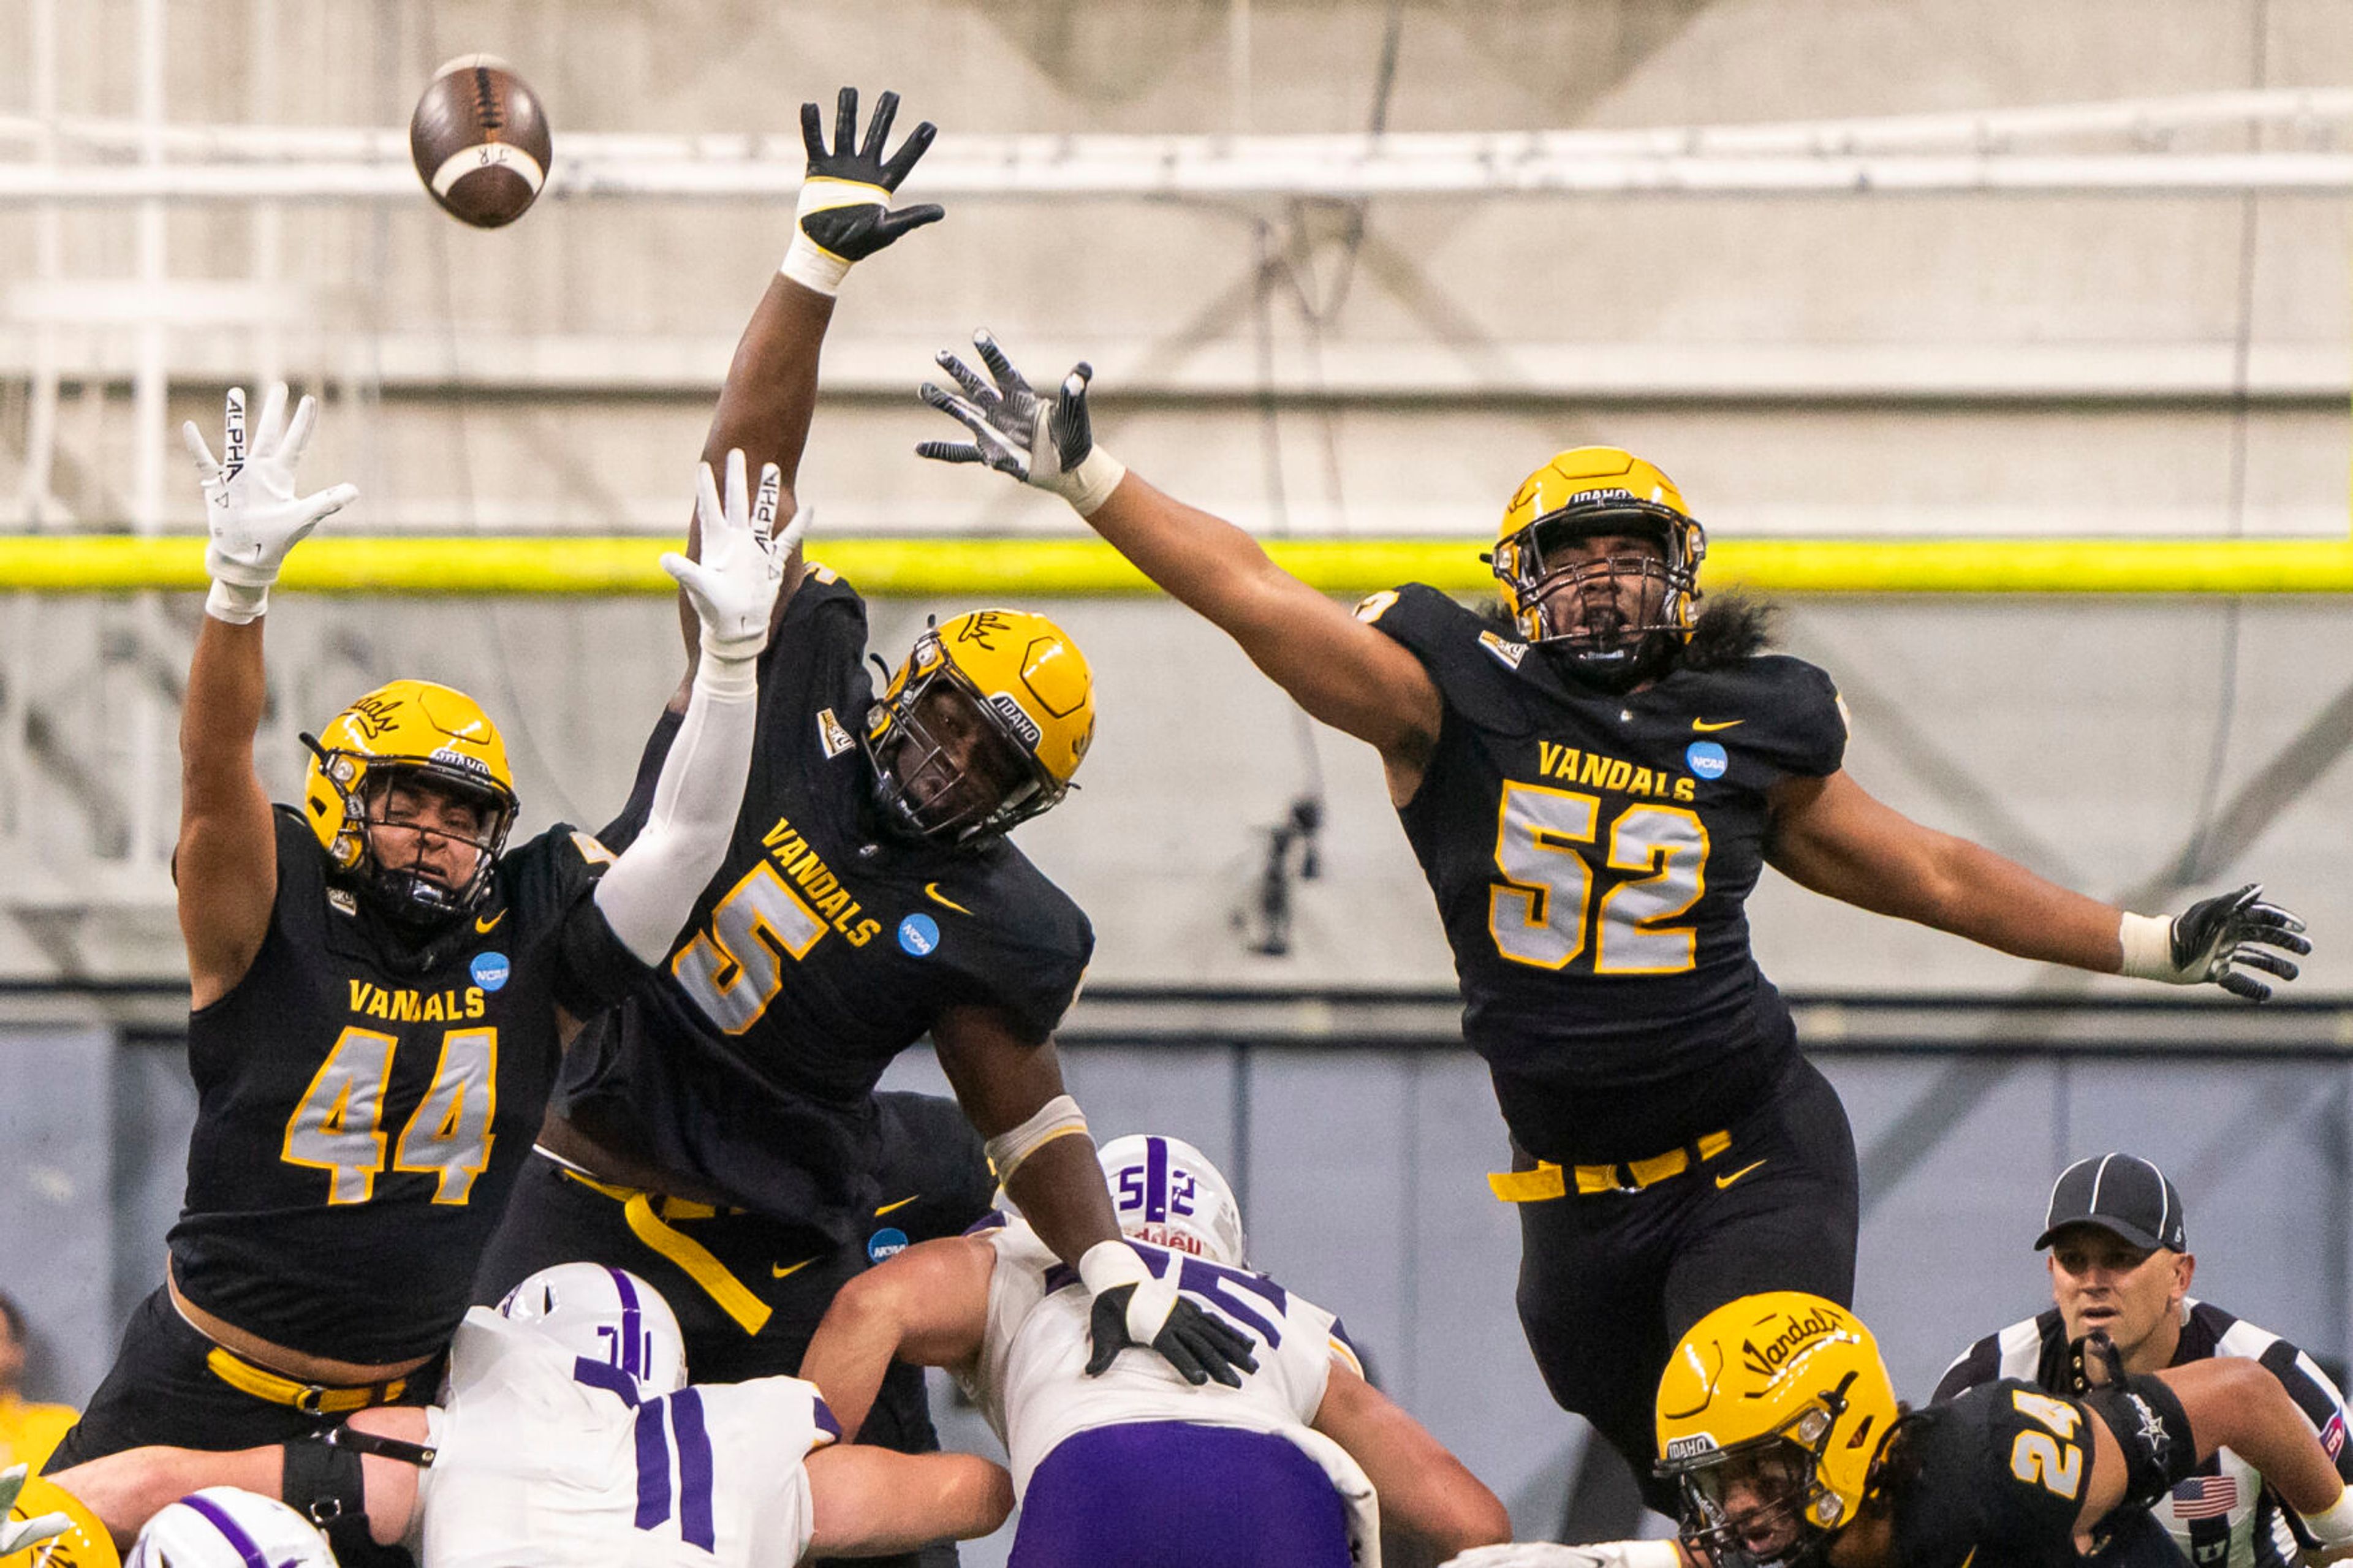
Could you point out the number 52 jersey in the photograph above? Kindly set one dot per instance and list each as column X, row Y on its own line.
column 1591, row 854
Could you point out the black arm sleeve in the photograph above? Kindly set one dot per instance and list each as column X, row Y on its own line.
column 2153, row 1429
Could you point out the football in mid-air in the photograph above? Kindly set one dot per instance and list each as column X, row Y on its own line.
column 479, row 141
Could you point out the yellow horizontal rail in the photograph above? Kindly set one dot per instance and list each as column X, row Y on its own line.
column 1080, row 568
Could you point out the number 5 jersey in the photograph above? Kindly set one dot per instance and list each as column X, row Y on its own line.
column 1591, row 854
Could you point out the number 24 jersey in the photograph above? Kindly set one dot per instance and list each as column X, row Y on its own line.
column 1591, row 854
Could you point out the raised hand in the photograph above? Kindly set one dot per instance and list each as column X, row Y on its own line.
column 734, row 587
column 2219, row 939
column 1016, row 432
column 251, row 511
column 844, row 213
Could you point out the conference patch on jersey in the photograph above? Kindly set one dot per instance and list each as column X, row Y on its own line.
column 919, row 934
column 1510, row 653
column 490, row 970
column 888, row 1242
column 1706, row 759
column 832, row 735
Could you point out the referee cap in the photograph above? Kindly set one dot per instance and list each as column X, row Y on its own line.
column 2119, row 1193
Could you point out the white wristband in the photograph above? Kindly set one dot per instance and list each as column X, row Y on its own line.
column 236, row 603
column 1091, row 482
column 813, row 267
column 2147, row 941
column 1108, row 1265
column 2333, row 1526
column 1058, row 1118
column 726, row 676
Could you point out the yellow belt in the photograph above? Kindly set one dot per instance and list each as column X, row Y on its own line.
column 638, row 1209
column 311, row 1399
column 1551, row 1181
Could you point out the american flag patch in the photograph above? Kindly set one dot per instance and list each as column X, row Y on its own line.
column 2205, row 1497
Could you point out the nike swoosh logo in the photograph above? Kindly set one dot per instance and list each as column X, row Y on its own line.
column 1727, row 1181
column 1706, row 727
column 790, row 1267
column 482, row 927
column 932, row 889
column 888, row 1208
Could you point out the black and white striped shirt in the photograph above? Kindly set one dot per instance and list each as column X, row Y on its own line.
column 2224, row 1516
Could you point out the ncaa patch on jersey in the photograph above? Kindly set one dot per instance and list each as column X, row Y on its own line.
column 1706, row 759
column 888, row 1242
column 919, row 934
column 490, row 970
column 832, row 735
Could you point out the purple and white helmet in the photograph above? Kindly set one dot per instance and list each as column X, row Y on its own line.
column 607, row 1316
column 1169, row 1193
column 221, row 1527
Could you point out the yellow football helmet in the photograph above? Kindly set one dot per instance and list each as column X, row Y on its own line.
column 1769, row 1416
column 982, row 726
column 84, row 1543
column 412, row 728
column 1579, row 493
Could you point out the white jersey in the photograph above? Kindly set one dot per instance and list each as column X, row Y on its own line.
column 1030, row 1378
column 547, row 1461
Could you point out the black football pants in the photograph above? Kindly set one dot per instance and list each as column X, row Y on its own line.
column 1610, row 1281
column 748, row 1292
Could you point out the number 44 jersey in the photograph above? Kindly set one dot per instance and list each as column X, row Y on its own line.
column 1591, row 854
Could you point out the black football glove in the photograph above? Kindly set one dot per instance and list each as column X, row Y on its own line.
column 844, row 213
column 1016, row 432
column 2218, row 939
column 1200, row 1345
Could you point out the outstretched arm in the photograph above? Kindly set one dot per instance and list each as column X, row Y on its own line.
column 650, row 889
column 1832, row 835
column 843, row 216
column 1424, row 1489
column 2234, row 1404
column 927, row 1306
column 869, row 1502
column 125, row 1489
column 1339, row 669
column 225, row 864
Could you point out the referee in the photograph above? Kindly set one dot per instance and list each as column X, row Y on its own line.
column 2120, row 1265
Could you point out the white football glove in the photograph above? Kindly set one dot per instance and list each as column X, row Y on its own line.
column 15, row 1535
column 2215, row 940
column 734, row 587
column 1015, row 431
column 250, row 507
column 844, row 213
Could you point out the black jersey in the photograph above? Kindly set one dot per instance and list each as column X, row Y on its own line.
column 933, row 1172
column 1998, row 1476
column 363, row 1107
column 1591, row 855
column 822, row 949
column 2223, row 1515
